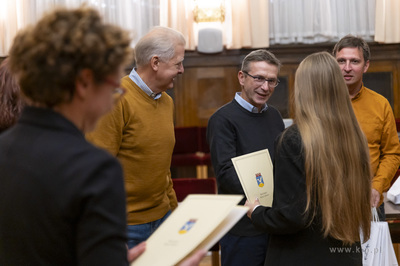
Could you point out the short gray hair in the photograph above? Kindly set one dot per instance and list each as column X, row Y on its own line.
column 258, row 56
column 161, row 42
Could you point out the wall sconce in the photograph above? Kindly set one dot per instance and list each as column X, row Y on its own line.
column 209, row 14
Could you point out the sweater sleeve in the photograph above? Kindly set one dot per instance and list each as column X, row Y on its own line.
column 389, row 159
column 287, row 213
column 222, row 140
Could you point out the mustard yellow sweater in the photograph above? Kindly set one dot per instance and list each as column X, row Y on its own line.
column 139, row 131
column 376, row 119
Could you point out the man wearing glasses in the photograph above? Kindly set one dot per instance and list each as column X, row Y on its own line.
column 246, row 124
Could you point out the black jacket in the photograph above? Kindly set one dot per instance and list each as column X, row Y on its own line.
column 62, row 201
column 293, row 240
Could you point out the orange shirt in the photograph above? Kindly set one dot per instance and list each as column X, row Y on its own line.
column 377, row 121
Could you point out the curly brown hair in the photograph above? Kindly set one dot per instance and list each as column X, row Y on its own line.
column 10, row 97
column 48, row 57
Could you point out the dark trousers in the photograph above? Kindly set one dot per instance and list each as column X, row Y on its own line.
column 243, row 250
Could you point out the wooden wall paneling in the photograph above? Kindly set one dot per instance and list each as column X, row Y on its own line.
column 396, row 91
column 386, row 58
column 217, row 86
column 282, row 96
column 293, row 69
column 383, row 77
column 186, row 99
column 200, row 91
column 210, row 81
column 175, row 93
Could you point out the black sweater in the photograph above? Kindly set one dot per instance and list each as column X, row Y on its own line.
column 62, row 201
column 233, row 131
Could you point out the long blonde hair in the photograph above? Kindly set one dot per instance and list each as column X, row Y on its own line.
column 338, row 175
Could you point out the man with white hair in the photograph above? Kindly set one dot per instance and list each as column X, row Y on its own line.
column 140, row 131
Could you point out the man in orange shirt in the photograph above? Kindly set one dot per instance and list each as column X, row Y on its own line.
column 374, row 114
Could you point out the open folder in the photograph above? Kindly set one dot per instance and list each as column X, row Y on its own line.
column 198, row 223
column 255, row 172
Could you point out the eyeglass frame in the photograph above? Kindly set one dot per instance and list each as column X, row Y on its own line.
column 259, row 79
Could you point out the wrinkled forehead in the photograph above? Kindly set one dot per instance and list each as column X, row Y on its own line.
column 263, row 67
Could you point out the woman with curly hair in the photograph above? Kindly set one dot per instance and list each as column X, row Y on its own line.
column 10, row 97
column 62, row 200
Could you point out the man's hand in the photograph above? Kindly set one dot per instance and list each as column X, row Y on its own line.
column 375, row 197
column 251, row 206
column 136, row 251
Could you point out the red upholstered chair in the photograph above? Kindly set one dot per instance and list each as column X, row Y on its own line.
column 204, row 145
column 186, row 147
column 186, row 186
column 204, row 151
column 191, row 149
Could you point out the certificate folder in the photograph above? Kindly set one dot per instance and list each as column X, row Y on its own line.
column 198, row 223
column 255, row 172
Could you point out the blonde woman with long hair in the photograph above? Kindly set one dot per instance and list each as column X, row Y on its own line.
column 322, row 177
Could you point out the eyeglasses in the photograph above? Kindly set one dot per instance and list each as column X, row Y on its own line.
column 261, row 80
column 118, row 90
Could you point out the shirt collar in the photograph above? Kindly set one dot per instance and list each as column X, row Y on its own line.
column 248, row 106
column 134, row 76
column 359, row 93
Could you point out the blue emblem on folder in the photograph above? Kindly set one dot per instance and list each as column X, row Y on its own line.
column 260, row 180
column 187, row 226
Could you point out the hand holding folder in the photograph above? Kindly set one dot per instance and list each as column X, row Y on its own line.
column 255, row 172
column 197, row 224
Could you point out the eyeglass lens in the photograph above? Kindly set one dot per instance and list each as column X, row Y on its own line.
column 262, row 80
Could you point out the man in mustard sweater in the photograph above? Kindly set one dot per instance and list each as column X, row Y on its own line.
column 140, row 131
column 374, row 114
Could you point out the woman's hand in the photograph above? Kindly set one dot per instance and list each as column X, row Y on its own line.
column 251, row 206
column 136, row 251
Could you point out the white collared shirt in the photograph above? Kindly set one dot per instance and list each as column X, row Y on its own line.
column 248, row 106
column 134, row 76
